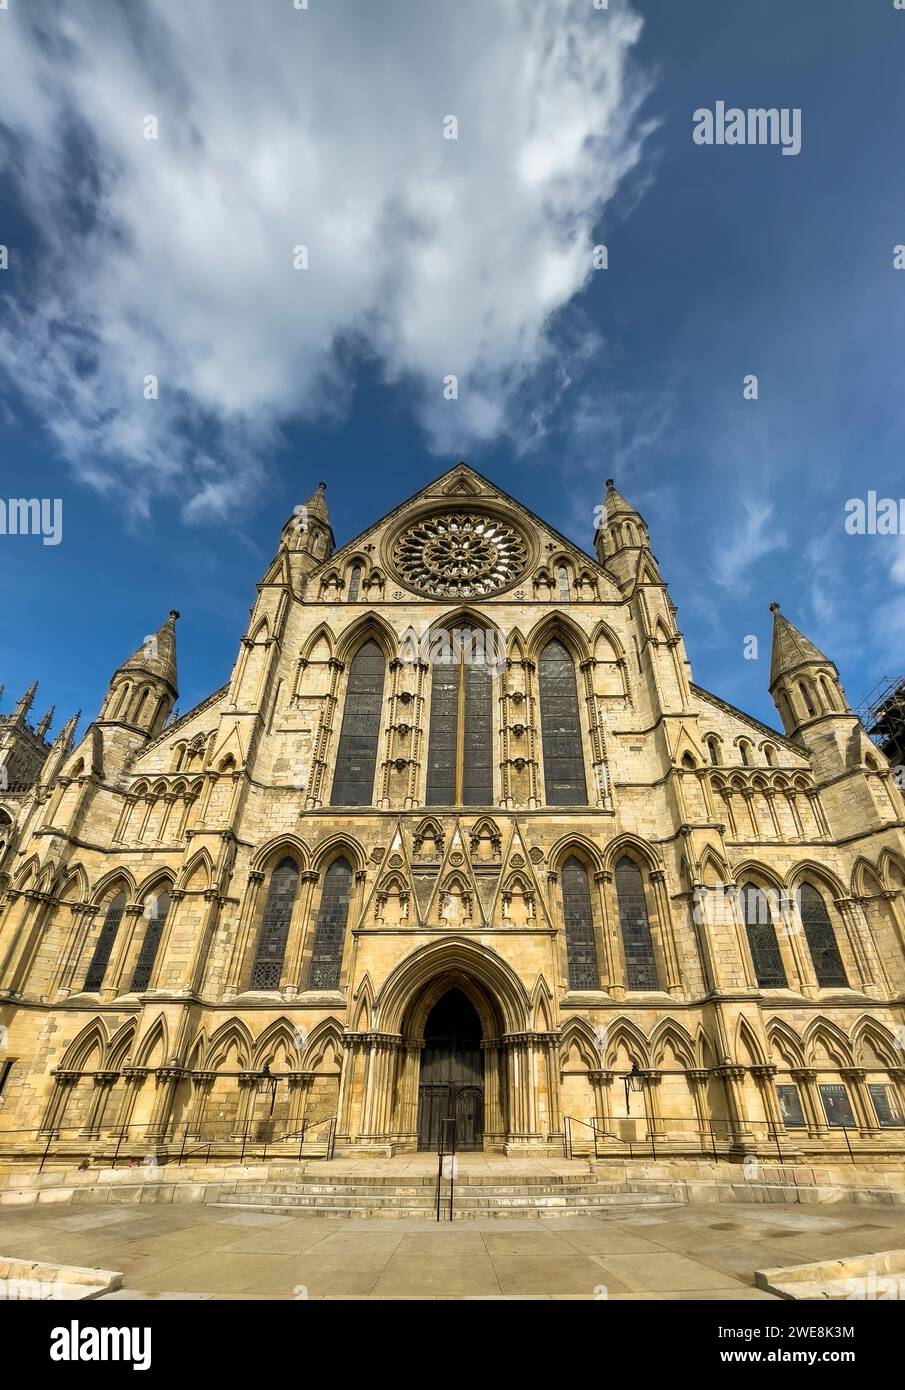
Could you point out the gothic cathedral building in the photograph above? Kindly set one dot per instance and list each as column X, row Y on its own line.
column 459, row 840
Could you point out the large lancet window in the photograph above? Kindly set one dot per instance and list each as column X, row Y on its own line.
column 268, row 966
column 101, row 958
column 564, row 776
column 460, row 752
column 821, row 939
column 581, row 950
column 330, row 932
column 769, row 970
column 641, row 969
column 157, row 907
column 356, row 757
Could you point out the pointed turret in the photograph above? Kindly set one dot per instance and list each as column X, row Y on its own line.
column 804, row 683
column 60, row 750
column 621, row 538
column 46, row 722
column 308, row 530
column 64, row 737
column 142, row 691
column 25, row 704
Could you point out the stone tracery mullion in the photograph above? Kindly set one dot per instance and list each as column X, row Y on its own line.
column 324, row 731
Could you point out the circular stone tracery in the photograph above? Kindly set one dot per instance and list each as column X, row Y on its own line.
column 460, row 555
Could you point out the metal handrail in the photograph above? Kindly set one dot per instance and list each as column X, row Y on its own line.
column 446, row 1126
column 111, row 1143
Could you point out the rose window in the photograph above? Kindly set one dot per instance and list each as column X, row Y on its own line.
column 460, row 555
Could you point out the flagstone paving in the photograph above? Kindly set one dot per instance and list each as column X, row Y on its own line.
column 700, row 1252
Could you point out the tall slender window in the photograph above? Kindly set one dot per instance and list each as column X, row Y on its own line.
column 562, row 583
column 460, row 752
column 101, row 958
column 769, row 970
column 149, row 946
column 356, row 757
column 641, row 969
column 354, row 584
column 330, row 932
column 821, row 939
column 561, row 728
column 268, row 966
column 581, row 950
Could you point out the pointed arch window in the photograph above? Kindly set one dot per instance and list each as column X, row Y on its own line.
column 354, row 584
column 564, row 775
column 268, row 966
column 769, row 970
column 356, row 757
column 140, row 709
column 581, row 949
column 104, row 947
column 562, row 584
column 634, row 924
column 460, row 751
column 821, row 939
column 159, row 906
column 330, row 932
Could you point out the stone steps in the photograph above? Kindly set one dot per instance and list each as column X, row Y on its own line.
column 530, row 1197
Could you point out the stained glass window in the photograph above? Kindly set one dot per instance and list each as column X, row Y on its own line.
column 564, row 776
column 562, row 581
column 821, row 938
column 356, row 757
column 354, row 584
column 460, row 753
column 641, row 969
column 101, row 958
column 268, row 966
column 477, row 734
column 581, row 950
column 769, row 970
column 149, row 946
column 330, row 932
column 444, row 734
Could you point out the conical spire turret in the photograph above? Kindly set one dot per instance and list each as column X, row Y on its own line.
column 308, row 531
column 804, row 682
column 621, row 536
column 143, row 690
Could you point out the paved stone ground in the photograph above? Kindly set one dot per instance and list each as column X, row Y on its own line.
column 696, row 1252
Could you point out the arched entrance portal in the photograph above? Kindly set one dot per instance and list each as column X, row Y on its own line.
column 451, row 1084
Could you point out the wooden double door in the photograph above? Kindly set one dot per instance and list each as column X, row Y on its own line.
column 452, row 1075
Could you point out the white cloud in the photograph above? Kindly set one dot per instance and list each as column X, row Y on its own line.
column 277, row 127
column 748, row 533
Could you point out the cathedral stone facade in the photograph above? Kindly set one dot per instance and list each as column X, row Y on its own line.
column 460, row 839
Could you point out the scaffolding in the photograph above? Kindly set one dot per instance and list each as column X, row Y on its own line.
column 882, row 712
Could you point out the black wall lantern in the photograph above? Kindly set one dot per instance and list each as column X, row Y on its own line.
column 633, row 1081
column 268, row 1082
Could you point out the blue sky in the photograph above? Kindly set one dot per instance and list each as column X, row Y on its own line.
column 171, row 257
